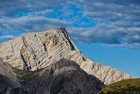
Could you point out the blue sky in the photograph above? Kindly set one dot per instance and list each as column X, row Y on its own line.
column 106, row 31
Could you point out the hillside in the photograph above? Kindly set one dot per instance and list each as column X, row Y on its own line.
column 130, row 86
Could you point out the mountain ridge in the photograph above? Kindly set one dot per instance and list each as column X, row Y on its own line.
column 40, row 50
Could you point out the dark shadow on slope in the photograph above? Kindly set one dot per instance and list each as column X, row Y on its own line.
column 63, row 77
column 8, row 87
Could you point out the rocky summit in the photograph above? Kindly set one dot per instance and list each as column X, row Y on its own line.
column 50, row 63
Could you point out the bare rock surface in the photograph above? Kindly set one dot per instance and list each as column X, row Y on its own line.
column 62, row 77
column 35, row 51
column 6, row 71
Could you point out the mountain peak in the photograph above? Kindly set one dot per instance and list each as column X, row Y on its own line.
column 32, row 50
column 41, row 49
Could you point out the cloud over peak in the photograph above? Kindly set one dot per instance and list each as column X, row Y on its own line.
column 109, row 22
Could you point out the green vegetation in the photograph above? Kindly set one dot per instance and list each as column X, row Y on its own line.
column 26, row 75
column 130, row 86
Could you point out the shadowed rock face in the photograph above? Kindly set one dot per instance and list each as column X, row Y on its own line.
column 62, row 77
column 39, row 50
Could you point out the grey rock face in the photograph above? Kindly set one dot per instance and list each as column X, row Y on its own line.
column 62, row 77
column 39, row 50
column 6, row 71
column 106, row 74
column 8, row 80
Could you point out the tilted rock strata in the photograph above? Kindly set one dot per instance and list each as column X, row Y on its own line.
column 106, row 74
column 39, row 50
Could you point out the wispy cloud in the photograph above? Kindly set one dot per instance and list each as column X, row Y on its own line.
column 7, row 37
column 109, row 22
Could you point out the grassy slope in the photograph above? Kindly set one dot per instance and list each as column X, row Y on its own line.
column 130, row 86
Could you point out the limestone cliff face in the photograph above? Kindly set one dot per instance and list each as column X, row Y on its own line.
column 39, row 50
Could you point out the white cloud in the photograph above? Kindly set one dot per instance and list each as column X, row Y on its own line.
column 7, row 37
column 117, row 21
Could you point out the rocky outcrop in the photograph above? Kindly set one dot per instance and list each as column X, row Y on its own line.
column 8, row 79
column 39, row 50
column 6, row 71
column 62, row 77
column 106, row 74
